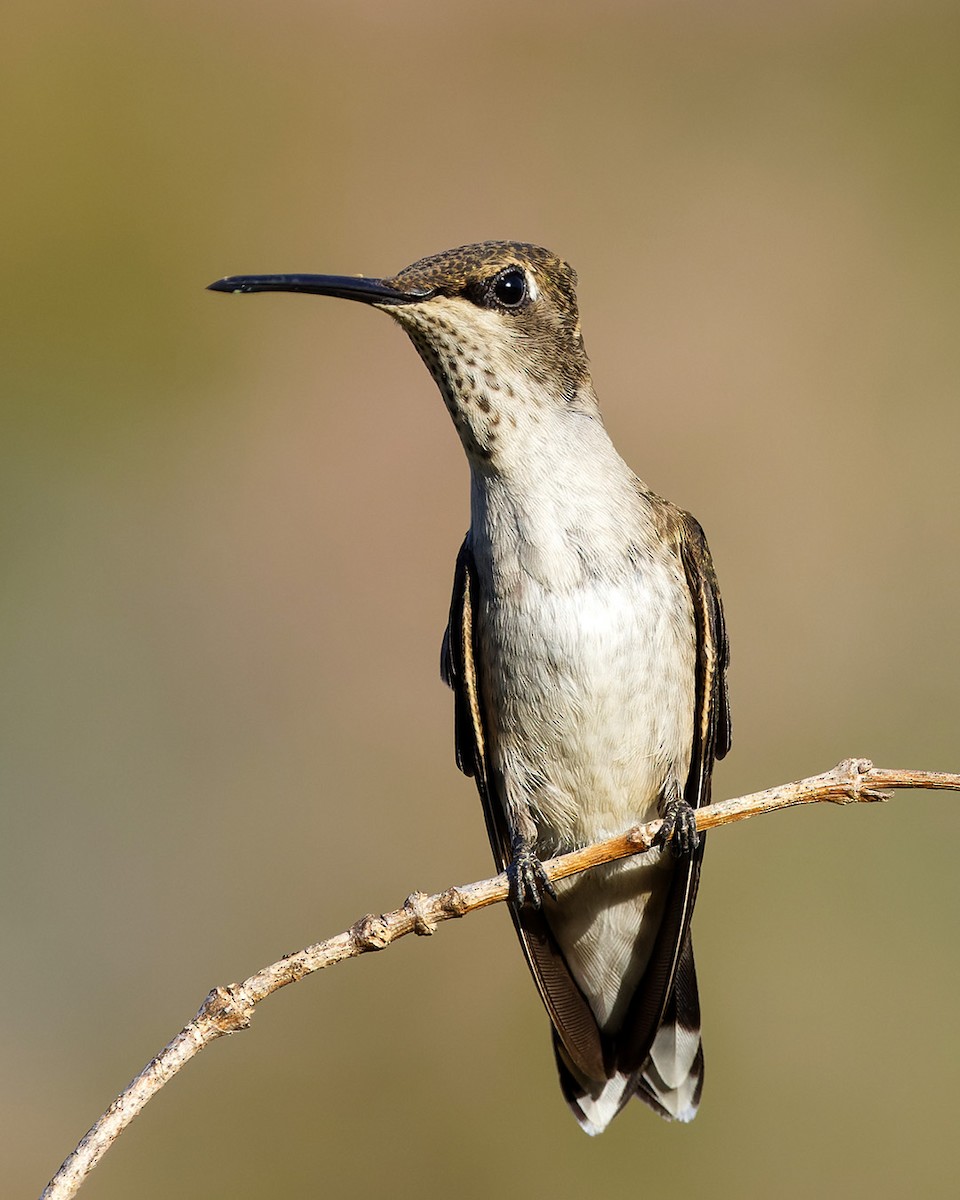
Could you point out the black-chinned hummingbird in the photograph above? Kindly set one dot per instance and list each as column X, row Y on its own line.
column 587, row 654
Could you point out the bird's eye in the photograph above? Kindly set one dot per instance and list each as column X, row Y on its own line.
column 510, row 287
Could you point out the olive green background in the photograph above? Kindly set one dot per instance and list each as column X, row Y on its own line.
column 229, row 527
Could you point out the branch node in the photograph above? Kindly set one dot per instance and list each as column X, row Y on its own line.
column 370, row 933
column 851, row 774
column 454, row 902
column 644, row 836
column 423, row 923
column 226, row 1009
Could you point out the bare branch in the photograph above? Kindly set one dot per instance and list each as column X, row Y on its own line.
column 228, row 1009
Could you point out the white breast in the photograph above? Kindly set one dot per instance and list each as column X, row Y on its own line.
column 590, row 702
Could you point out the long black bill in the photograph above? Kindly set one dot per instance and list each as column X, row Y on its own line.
column 345, row 287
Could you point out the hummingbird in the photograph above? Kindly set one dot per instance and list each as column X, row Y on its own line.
column 587, row 654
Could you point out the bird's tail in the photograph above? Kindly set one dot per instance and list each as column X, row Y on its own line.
column 671, row 1077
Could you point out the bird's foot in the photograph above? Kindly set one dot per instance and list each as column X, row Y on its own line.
column 529, row 882
column 679, row 829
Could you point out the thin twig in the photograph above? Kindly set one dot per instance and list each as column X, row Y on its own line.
column 229, row 1009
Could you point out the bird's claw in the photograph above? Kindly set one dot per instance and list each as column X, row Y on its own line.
column 529, row 882
column 679, row 828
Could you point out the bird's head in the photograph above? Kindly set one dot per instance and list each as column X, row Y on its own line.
column 496, row 324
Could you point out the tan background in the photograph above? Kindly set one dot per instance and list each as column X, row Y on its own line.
column 229, row 531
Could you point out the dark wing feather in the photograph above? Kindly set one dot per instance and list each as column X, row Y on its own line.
column 572, row 1017
column 712, row 730
column 458, row 671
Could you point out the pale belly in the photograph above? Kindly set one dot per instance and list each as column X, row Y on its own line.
column 590, row 698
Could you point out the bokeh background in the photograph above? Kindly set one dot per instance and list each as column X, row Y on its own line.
column 229, row 530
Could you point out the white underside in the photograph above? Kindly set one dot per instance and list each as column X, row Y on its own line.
column 587, row 664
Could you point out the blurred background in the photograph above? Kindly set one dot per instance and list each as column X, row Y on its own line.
column 229, row 528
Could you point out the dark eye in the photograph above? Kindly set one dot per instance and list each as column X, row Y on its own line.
column 510, row 287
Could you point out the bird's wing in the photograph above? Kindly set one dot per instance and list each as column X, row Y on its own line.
column 712, row 724
column 572, row 1017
